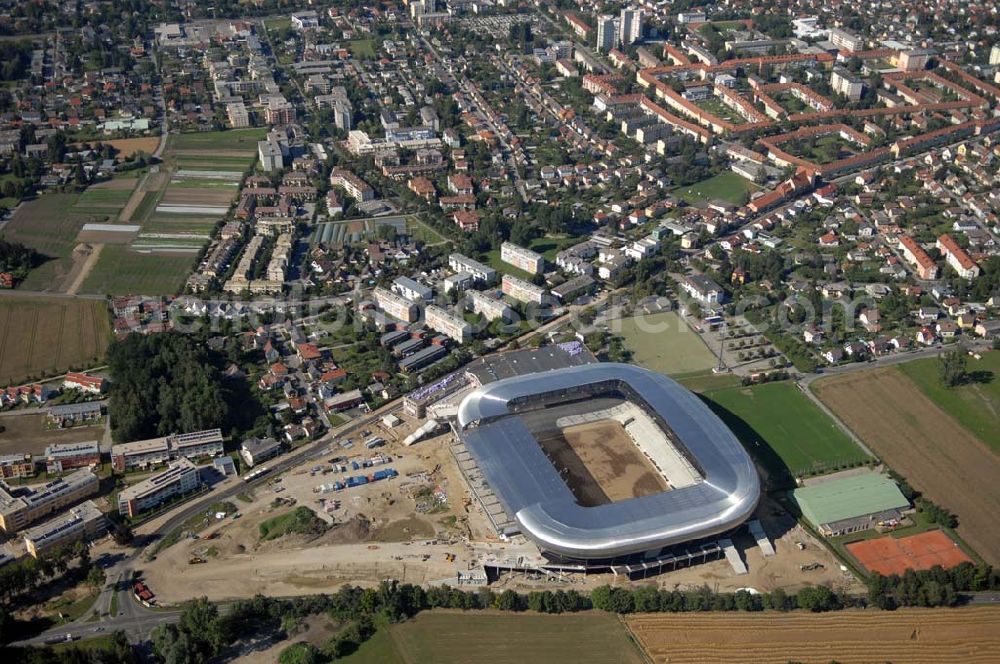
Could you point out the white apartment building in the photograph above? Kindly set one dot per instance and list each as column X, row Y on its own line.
column 607, row 33
column 847, row 40
column 83, row 522
column 523, row 291
column 521, row 258
column 488, row 307
column 154, row 451
column 395, row 305
column 479, row 272
column 179, row 478
column 630, row 25
column 412, row 289
column 450, row 324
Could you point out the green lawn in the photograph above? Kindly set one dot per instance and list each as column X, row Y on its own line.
column 664, row 343
column 121, row 271
column 784, row 430
column 362, row 48
column 452, row 637
column 976, row 404
column 727, row 186
column 231, row 139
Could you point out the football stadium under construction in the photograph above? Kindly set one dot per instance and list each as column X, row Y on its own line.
column 604, row 466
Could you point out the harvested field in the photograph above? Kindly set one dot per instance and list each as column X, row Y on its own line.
column 27, row 433
column 889, row 555
column 914, row 636
column 47, row 336
column 937, row 455
column 601, row 464
column 485, row 638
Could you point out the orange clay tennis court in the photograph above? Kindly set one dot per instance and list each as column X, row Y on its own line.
column 888, row 555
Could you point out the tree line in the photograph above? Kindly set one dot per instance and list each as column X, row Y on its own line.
column 204, row 633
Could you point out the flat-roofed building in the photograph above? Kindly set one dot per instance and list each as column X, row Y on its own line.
column 16, row 466
column 155, row 451
column 60, row 457
column 521, row 258
column 489, row 307
column 412, row 289
column 847, row 84
column 448, row 323
column 396, row 305
column 846, row 40
column 83, row 522
column 259, row 450
column 523, row 291
column 179, row 478
column 19, row 507
column 479, row 272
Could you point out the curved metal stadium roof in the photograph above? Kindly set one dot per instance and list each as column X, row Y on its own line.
column 532, row 491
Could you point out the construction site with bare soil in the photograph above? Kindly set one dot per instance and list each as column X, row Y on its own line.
column 424, row 526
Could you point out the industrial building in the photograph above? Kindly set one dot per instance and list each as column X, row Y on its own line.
column 179, row 478
column 851, row 504
column 83, row 522
column 713, row 485
column 22, row 506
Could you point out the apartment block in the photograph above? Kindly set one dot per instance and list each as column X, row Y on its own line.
column 16, row 465
column 957, row 258
column 523, row 291
column 19, row 507
column 83, row 522
column 846, row 40
column 155, row 451
column 395, row 305
column 916, row 256
column 67, row 456
column 479, row 272
column 179, row 478
column 489, row 307
column 450, row 324
column 521, row 258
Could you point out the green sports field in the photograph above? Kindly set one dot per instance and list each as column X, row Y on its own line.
column 975, row 404
column 664, row 343
column 452, row 637
column 783, row 429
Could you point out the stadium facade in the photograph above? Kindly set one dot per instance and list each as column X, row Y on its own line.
column 720, row 493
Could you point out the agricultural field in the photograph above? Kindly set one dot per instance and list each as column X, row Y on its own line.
column 728, row 187
column 122, row 271
column 664, row 343
column 783, row 429
column 484, row 638
column 209, row 142
column 921, row 441
column 975, row 404
column 106, row 199
column 49, row 225
column 129, row 146
column 47, row 336
column 914, row 636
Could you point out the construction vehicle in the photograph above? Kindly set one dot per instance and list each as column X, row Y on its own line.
column 196, row 560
